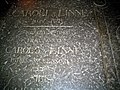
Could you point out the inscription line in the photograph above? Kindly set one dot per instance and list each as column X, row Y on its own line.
column 48, row 26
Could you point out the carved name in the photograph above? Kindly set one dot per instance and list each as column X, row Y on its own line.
column 38, row 50
column 50, row 13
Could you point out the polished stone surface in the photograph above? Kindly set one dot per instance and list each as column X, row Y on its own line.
column 59, row 45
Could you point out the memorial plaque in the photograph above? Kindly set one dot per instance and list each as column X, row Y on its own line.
column 59, row 45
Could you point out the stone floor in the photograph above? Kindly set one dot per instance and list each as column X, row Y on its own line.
column 60, row 45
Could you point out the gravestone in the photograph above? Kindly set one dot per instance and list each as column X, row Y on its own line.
column 59, row 45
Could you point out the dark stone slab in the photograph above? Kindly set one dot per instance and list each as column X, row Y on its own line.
column 59, row 45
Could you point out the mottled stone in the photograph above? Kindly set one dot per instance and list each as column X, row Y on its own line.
column 59, row 45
